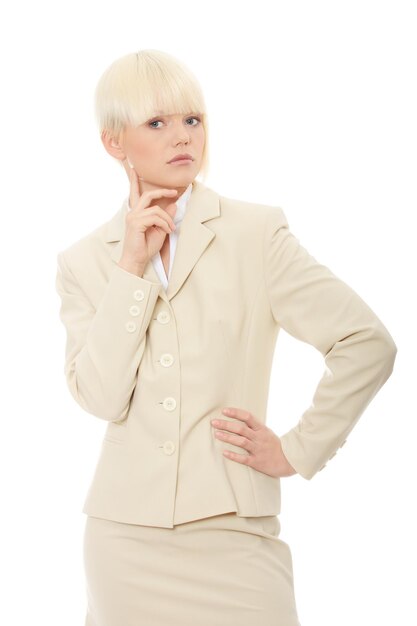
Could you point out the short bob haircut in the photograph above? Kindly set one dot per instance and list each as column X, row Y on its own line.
column 141, row 85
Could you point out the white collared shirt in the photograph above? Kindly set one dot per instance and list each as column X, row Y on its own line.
column 179, row 214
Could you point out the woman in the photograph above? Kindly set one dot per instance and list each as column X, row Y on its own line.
column 172, row 309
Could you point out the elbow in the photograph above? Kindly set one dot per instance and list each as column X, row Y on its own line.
column 391, row 350
column 385, row 350
column 390, row 347
column 96, row 402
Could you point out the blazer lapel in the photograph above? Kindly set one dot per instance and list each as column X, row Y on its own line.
column 193, row 238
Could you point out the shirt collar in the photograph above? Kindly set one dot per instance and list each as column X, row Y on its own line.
column 182, row 204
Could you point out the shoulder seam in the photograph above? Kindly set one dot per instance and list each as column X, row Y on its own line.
column 275, row 210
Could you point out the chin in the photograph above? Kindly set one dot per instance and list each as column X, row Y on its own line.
column 182, row 179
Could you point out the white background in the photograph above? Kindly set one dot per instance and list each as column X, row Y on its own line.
column 312, row 107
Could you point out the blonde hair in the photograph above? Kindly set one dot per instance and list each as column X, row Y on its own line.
column 140, row 85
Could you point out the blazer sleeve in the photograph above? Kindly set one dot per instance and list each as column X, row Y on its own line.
column 104, row 346
column 315, row 306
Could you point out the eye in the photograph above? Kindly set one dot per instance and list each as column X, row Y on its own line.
column 194, row 117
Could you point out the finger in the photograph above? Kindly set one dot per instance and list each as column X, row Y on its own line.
column 243, row 415
column 163, row 224
column 152, row 194
column 234, row 427
column 127, row 167
column 245, row 459
column 156, row 210
column 134, row 188
column 153, row 219
column 147, row 196
column 236, row 440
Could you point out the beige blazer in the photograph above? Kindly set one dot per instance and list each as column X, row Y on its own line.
column 158, row 365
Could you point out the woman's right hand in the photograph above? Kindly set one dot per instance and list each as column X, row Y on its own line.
column 146, row 226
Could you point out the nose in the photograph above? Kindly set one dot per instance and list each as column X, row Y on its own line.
column 181, row 134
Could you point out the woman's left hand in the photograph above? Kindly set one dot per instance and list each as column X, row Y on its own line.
column 262, row 444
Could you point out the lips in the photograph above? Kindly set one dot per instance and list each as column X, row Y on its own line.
column 179, row 157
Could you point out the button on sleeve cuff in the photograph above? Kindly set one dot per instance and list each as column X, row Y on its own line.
column 105, row 346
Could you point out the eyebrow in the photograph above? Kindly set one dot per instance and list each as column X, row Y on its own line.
column 170, row 114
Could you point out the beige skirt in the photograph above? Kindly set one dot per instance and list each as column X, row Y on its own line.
column 222, row 570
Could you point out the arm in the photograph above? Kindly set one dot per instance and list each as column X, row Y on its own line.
column 315, row 306
column 104, row 347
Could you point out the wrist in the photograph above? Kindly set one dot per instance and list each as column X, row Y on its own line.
column 132, row 268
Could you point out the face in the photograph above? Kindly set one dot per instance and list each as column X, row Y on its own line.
column 150, row 146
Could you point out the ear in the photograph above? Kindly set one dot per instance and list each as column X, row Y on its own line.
column 112, row 145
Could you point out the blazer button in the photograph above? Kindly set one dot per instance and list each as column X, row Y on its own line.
column 169, row 447
column 169, row 404
column 130, row 327
column 138, row 294
column 134, row 310
column 163, row 317
column 166, row 359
